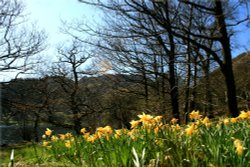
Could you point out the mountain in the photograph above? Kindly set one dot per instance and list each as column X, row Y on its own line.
column 241, row 68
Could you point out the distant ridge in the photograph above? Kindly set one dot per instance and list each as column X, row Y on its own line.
column 242, row 58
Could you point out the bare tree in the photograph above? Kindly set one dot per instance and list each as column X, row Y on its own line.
column 165, row 22
column 17, row 42
column 220, row 13
column 71, row 68
column 136, row 25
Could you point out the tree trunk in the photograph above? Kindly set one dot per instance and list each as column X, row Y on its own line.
column 76, row 117
column 187, row 89
column 36, row 136
column 193, row 105
column 77, row 124
column 145, row 82
column 231, row 91
column 208, row 95
column 226, row 67
column 174, row 91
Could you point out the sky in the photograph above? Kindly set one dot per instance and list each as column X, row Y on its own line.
column 48, row 15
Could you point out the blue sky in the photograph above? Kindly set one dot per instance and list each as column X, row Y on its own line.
column 48, row 15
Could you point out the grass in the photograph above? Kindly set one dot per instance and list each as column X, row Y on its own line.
column 26, row 155
column 149, row 143
column 23, row 153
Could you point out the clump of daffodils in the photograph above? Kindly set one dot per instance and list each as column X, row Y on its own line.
column 146, row 123
column 244, row 115
column 195, row 115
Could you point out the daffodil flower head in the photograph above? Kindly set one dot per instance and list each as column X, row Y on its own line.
column 68, row 135
column 226, row 121
column 174, row 121
column 68, row 144
column 92, row 138
column 238, row 146
column 146, row 118
column 190, row 130
column 234, row 120
column 45, row 143
column 62, row 136
column 102, row 131
column 195, row 115
column 158, row 119
column 83, row 130
column 86, row 135
column 54, row 138
column 134, row 123
column 244, row 115
column 48, row 132
column 206, row 121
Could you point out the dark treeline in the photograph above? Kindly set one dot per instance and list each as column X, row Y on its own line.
column 154, row 56
column 112, row 99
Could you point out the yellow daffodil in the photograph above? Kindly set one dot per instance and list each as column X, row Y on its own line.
column 148, row 125
column 234, row 120
column 68, row 144
column 226, row 121
column 108, row 130
column 83, row 130
column 54, row 138
column 45, row 143
column 117, row 136
column 105, row 130
column 175, row 127
column 194, row 115
column 62, row 136
column 118, row 133
column 145, row 118
column 99, row 134
column 206, row 121
column 68, row 135
column 190, row 130
column 132, row 133
column 134, row 124
column 248, row 114
column 158, row 119
column 174, row 121
column 238, row 146
column 239, row 150
column 91, row 138
column 86, row 135
column 156, row 130
column 243, row 115
column 48, row 132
